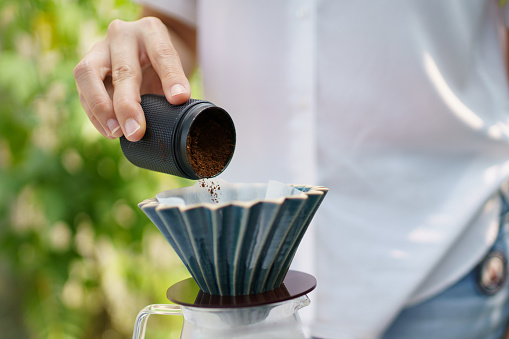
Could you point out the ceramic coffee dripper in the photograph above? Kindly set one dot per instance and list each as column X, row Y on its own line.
column 237, row 241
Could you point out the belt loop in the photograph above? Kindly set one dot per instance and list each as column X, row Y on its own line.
column 504, row 190
column 504, row 197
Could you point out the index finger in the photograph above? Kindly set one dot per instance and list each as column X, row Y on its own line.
column 126, row 79
column 166, row 61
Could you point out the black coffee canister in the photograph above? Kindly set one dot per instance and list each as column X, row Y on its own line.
column 193, row 140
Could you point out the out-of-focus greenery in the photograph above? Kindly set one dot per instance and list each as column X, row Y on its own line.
column 78, row 259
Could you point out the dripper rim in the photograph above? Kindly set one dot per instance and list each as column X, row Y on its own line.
column 311, row 190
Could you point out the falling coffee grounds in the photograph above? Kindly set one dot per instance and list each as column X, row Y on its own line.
column 210, row 143
column 212, row 187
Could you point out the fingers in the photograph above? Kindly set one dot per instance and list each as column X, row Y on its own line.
column 91, row 116
column 126, row 79
column 165, row 61
column 130, row 51
column 89, row 75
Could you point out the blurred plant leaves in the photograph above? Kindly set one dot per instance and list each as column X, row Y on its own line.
column 78, row 259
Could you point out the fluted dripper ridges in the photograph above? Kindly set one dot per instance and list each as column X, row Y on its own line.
column 236, row 247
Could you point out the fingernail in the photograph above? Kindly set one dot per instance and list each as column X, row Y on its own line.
column 131, row 126
column 113, row 126
column 177, row 89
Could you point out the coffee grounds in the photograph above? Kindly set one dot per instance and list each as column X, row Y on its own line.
column 212, row 187
column 210, row 143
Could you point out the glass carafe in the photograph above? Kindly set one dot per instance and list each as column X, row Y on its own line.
column 278, row 320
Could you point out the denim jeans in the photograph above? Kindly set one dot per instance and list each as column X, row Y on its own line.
column 462, row 311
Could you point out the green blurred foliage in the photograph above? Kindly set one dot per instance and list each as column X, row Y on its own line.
column 78, row 259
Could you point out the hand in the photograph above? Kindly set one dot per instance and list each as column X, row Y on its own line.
column 135, row 58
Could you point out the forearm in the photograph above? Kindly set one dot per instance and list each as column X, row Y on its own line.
column 183, row 38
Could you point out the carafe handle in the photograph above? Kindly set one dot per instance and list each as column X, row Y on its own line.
column 142, row 318
column 302, row 302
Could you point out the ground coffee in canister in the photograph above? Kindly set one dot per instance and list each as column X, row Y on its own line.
column 210, row 145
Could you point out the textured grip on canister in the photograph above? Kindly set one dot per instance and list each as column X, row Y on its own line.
column 155, row 150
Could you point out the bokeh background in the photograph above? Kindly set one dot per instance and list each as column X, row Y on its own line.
column 78, row 259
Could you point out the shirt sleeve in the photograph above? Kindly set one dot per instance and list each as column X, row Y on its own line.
column 184, row 10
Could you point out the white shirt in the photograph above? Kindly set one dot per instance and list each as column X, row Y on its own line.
column 400, row 108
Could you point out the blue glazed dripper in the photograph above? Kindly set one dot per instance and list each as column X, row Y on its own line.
column 235, row 239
